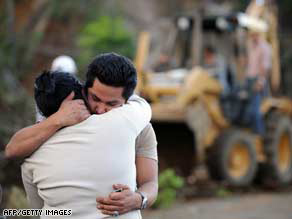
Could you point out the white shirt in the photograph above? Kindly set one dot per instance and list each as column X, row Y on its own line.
column 82, row 162
column 259, row 59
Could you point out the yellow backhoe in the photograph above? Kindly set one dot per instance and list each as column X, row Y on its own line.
column 182, row 90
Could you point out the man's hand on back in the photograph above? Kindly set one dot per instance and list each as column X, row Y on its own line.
column 127, row 200
column 71, row 111
column 123, row 201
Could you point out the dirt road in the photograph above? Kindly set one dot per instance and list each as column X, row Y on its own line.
column 249, row 206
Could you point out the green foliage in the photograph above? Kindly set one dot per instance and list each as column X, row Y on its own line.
column 15, row 103
column 16, row 107
column 17, row 199
column 240, row 5
column 107, row 34
column 223, row 192
column 169, row 183
column 67, row 9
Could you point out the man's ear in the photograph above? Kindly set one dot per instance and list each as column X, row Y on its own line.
column 85, row 99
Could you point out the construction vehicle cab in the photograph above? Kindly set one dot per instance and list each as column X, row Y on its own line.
column 176, row 78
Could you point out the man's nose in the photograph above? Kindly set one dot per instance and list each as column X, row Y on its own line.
column 101, row 108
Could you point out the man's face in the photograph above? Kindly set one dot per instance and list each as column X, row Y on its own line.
column 102, row 98
column 255, row 37
column 209, row 58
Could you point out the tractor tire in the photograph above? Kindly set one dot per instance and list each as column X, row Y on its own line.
column 277, row 170
column 232, row 159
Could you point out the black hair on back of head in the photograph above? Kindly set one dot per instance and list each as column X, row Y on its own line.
column 52, row 87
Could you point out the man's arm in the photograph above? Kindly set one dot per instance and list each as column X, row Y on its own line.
column 147, row 164
column 27, row 140
column 147, row 178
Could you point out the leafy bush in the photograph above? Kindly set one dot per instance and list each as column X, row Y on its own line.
column 223, row 192
column 169, row 183
column 107, row 34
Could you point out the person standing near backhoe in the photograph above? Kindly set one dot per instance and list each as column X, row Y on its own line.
column 258, row 67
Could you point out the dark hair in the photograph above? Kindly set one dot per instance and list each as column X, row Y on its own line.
column 210, row 49
column 52, row 87
column 113, row 70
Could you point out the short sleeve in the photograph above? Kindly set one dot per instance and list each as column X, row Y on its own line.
column 146, row 143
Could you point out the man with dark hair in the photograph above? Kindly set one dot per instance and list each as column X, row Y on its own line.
column 216, row 66
column 111, row 70
column 51, row 88
column 62, row 63
column 54, row 180
column 111, row 79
